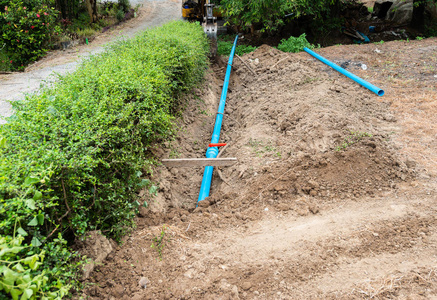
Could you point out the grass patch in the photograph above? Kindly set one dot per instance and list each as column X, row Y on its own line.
column 224, row 48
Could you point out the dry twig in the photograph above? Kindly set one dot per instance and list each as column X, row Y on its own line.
column 247, row 66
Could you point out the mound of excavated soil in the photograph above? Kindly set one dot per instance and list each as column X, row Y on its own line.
column 295, row 130
column 300, row 210
column 299, row 131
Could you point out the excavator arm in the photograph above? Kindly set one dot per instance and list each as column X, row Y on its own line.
column 210, row 26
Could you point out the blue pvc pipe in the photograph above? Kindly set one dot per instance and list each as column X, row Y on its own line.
column 354, row 77
column 212, row 152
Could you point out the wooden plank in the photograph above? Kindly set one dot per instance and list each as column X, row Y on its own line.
column 199, row 162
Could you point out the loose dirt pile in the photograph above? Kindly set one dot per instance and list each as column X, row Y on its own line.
column 321, row 204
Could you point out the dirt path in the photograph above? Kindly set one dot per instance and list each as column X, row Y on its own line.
column 15, row 86
column 334, row 195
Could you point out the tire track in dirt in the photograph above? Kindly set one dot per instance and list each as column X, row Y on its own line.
column 273, row 254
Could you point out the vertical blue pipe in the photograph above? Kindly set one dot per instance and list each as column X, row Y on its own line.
column 212, row 152
column 354, row 77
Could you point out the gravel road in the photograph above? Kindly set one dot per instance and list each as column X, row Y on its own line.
column 16, row 85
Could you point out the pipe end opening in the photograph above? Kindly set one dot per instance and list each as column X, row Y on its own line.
column 381, row 93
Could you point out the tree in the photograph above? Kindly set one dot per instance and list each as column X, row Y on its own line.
column 70, row 8
column 270, row 13
column 91, row 6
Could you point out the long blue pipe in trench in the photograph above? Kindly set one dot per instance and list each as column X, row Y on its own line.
column 212, row 152
column 354, row 77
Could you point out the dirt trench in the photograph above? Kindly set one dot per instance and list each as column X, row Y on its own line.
column 333, row 195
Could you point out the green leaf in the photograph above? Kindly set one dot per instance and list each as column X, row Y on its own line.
column 32, row 262
column 24, row 297
column 19, row 267
column 28, row 293
column 31, row 204
column 30, row 180
column 36, row 265
column 21, row 231
column 40, row 218
column 9, row 276
column 26, row 278
column 37, row 196
column 3, row 142
column 15, row 293
column 145, row 204
column 33, row 222
column 153, row 190
column 10, row 250
column 35, row 242
column 144, row 182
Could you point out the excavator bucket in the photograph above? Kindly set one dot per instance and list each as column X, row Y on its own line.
column 211, row 33
column 210, row 27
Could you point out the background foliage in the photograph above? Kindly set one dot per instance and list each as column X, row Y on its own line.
column 26, row 29
column 29, row 28
column 73, row 156
column 224, row 48
column 270, row 14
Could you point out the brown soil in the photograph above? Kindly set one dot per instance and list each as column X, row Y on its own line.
column 333, row 195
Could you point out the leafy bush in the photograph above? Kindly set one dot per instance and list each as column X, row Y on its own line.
column 295, row 44
column 270, row 14
column 5, row 61
column 124, row 5
column 26, row 28
column 225, row 47
column 73, row 154
column 20, row 274
column 120, row 15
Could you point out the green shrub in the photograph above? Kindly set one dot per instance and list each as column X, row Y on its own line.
column 295, row 44
column 5, row 61
column 87, row 32
column 124, row 5
column 73, row 155
column 120, row 15
column 225, row 47
column 26, row 28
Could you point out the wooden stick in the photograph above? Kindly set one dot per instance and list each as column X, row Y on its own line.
column 199, row 162
column 222, row 150
column 247, row 66
column 219, row 172
column 281, row 60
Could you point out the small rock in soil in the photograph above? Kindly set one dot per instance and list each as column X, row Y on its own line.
column 204, row 203
column 143, row 282
column 142, row 211
column 314, row 209
column 118, row 291
column 410, row 164
column 313, row 184
column 246, row 285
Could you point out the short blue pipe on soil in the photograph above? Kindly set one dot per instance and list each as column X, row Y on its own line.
column 354, row 77
column 212, row 152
